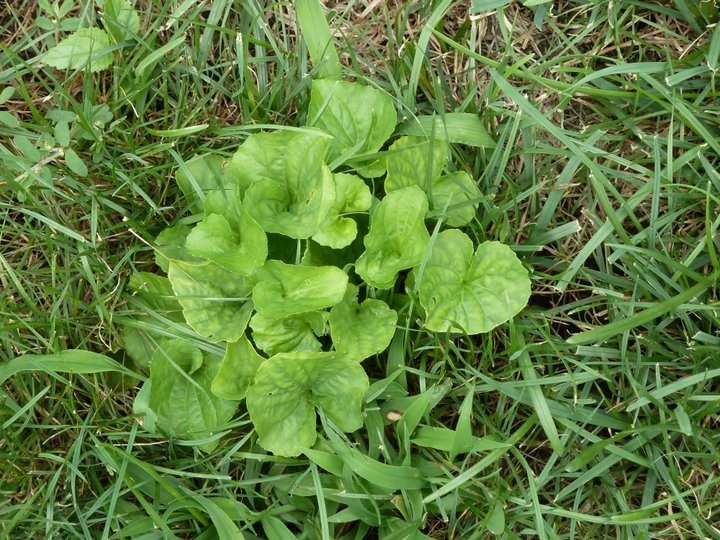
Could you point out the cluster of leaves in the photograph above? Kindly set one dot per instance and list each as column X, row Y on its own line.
column 294, row 272
column 92, row 48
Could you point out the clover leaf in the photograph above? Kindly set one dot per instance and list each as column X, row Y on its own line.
column 294, row 333
column 351, row 195
column 180, row 397
column 359, row 118
column 287, row 289
column 472, row 293
column 415, row 161
column 397, row 237
column 361, row 330
column 214, row 301
column 289, row 386
column 237, row 370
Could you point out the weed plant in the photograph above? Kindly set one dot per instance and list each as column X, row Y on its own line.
column 594, row 413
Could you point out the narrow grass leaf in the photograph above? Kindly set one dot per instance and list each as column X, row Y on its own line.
column 683, row 420
column 70, row 361
column 713, row 53
column 614, row 328
column 482, row 6
column 496, row 519
column 685, row 382
column 624, row 68
column 224, row 526
column 392, row 477
column 147, row 63
column 276, row 529
column 536, row 394
column 421, row 51
column 463, row 437
column 317, row 36
column 179, row 132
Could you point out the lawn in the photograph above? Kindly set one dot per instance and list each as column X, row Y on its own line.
column 585, row 136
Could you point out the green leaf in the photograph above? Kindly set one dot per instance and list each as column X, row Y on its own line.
column 69, row 361
column 214, row 301
column 199, row 176
column 397, row 238
column 288, row 187
column 287, row 289
column 461, row 128
column 75, row 163
column 392, row 477
column 87, row 47
column 351, row 195
column 180, row 393
column 361, row 330
column 294, row 333
column 170, row 245
column 289, row 386
column 240, row 246
column 462, row 292
column 360, row 118
column 415, row 161
column 318, row 38
column 120, row 19
column 237, row 370
column 457, row 197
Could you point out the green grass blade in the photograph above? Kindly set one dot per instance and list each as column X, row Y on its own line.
column 319, row 40
column 70, row 361
column 602, row 333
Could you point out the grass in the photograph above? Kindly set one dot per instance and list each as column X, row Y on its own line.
column 593, row 414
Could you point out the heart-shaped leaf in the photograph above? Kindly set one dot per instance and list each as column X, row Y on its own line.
column 180, row 396
column 236, row 243
column 462, row 292
column 415, row 161
column 294, row 333
column 287, row 187
column 351, row 195
column 86, row 47
column 287, row 289
column 289, row 386
column 214, row 301
column 359, row 118
column 237, row 370
column 397, row 238
column 361, row 330
column 457, row 196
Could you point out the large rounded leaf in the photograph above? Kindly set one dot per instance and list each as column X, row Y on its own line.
column 415, row 161
column 361, row 330
column 293, row 193
column 214, row 301
column 289, row 386
column 462, row 292
column 294, row 333
column 239, row 247
column 360, row 118
column 287, row 289
column 397, row 237
column 180, row 395
column 457, row 196
column 237, row 370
